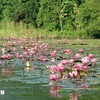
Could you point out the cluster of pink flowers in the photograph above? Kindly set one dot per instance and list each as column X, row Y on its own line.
column 65, row 63
column 72, row 66
column 6, row 56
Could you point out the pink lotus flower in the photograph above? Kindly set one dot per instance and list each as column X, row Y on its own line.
column 54, row 77
column 32, row 52
column 64, row 62
column 93, row 60
column 85, row 60
column 53, row 61
column 20, row 56
column 26, row 48
column 60, row 68
column 4, row 57
column 21, row 47
column 68, row 51
column 53, row 53
column 73, row 74
column 90, row 56
column 78, row 66
column 49, row 67
column 25, row 52
column 36, row 48
column 77, row 55
column 58, row 49
column 71, row 61
column 81, row 50
column 44, row 59
column 84, row 67
column 17, row 54
column 14, row 49
column 53, row 69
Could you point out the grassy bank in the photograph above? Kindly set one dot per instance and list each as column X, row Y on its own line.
column 8, row 29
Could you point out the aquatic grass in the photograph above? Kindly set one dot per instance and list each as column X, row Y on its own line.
column 12, row 29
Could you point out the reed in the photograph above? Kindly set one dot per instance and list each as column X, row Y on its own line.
column 8, row 29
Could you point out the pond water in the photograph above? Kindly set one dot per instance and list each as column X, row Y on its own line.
column 34, row 85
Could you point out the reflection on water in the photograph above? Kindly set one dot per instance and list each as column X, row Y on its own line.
column 7, row 72
column 54, row 91
column 74, row 96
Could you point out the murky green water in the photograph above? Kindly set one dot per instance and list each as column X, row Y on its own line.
column 34, row 85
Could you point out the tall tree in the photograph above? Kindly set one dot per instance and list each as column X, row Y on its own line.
column 26, row 11
column 6, row 13
column 47, row 17
column 90, row 17
column 1, row 8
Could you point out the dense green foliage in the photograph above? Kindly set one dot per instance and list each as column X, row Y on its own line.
column 69, row 17
column 90, row 17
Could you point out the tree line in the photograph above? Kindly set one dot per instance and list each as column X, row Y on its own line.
column 69, row 17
